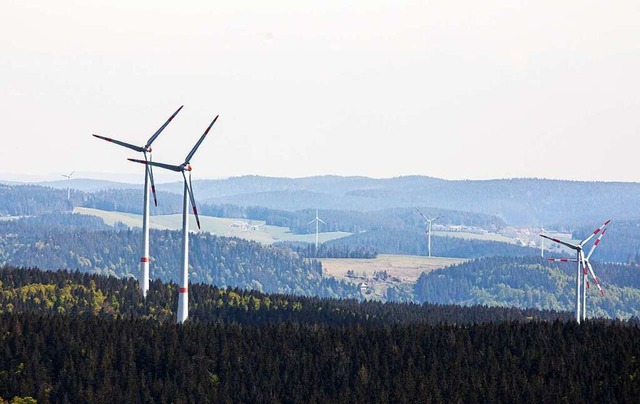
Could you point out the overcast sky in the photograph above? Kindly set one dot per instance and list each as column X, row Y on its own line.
column 451, row 89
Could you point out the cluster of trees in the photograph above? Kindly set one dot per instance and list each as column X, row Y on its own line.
column 531, row 282
column 213, row 260
column 413, row 242
column 308, row 250
column 22, row 200
column 111, row 345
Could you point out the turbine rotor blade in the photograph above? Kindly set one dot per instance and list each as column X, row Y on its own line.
column 118, row 142
column 193, row 200
column 155, row 135
column 596, row 231
column 595, row 244
column 425, row 218
column 193, row 151
column 161, row 165
column 321, row 221
column 565, row 243
column 595, row 278
column 149, row 168
column 562, row 259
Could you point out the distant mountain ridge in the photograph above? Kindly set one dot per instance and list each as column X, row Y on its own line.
column 524, row 201
column 518, row 201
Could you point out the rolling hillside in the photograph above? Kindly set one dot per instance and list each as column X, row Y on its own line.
column 531, row 282
column 254, row 230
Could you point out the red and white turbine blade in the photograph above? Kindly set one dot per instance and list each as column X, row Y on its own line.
column 193, row 151
column 596, row 231
column 151, row 181
column 193, row 200
column 595, row 244
column 155, row 135
column 118, row 142
column 595, row 278
column 584, row 269
column 562, row 259
column 161, row 165
column 565, row 243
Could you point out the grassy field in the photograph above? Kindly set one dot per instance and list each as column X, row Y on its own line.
column 215, row 225
column 407, row 268
column 403, row 271
column 476, row 236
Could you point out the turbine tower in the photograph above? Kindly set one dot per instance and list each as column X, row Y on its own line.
column 318, row 221
column 429, row 221
column 148, row 179
column 183, row 292
column 542, row 230
column 579, row 256
column 586, row 264
column 68, row 177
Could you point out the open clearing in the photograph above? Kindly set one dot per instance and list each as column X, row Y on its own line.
column 256, row 231
column 406, row 268
column 402, row 271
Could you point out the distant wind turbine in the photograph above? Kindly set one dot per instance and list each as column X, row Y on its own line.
column 318, row 221
column 579, row 260
column 68, row 177
column 183, row 292
column 586, row 264
column 429, row 221
column 148, row 178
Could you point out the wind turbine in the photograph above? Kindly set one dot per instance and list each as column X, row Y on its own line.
column 68, row 177
column 318, row 221
column 579, row 257
column 148, row 178
column 586, row 264
column 183, row 292
column 429, row 221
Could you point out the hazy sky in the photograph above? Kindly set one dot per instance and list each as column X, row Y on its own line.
column 452, row 89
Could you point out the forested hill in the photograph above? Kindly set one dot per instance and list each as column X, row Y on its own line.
column 265, row 348
column 214, row 260
column 621, row 243
column 532, row 282
column 80, row 294
column 412, row 242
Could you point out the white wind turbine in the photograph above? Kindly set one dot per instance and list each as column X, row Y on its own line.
column 579, row 257
column 148, row 179
column 318, row 221
column 183, row 292
column 68, row 177
column 429, row 221
column 586, row 264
